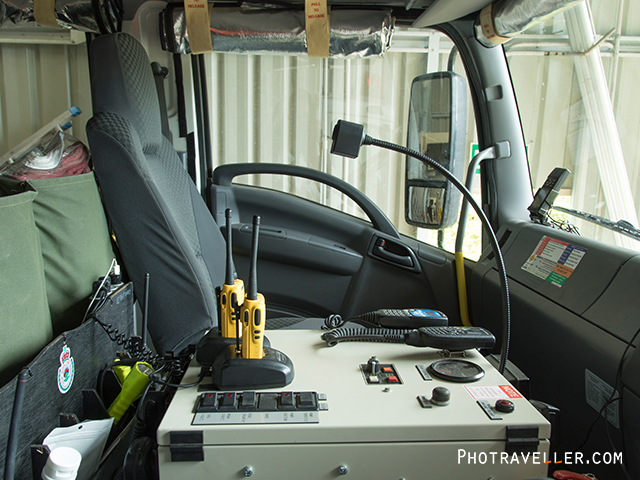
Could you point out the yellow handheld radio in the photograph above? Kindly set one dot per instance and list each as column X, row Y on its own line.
column 253, row 312
column 232, row 294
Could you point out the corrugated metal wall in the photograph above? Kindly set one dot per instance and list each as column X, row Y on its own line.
column 263, row 108
column 282, row 109
column 37, row 83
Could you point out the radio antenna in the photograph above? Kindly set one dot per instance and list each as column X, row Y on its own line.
column 230, row 274
column 252, row 287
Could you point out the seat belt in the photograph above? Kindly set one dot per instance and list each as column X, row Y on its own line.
column 159, row 74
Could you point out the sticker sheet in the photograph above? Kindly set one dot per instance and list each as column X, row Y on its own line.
column 554, row 260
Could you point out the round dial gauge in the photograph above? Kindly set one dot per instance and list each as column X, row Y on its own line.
column 462, row 371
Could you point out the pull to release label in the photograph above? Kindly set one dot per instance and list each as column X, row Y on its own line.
column 317, row 27
column 196, row 13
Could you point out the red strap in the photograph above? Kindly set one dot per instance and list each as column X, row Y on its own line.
column 567, row 475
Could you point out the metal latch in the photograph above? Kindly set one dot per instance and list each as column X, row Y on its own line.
column 186, row 446
column 522, row 439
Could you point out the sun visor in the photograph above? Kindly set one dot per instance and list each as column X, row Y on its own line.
column 502, row 20
column 282, row 31
column 99, row 16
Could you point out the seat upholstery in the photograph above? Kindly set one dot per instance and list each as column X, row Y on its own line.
column 162, row 225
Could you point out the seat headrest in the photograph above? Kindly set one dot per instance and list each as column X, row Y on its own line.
column 122, row 83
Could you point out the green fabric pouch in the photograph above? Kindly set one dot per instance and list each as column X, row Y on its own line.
column 24, row 312
column 76, row 246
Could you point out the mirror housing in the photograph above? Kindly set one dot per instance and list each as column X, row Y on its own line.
column 437, row 128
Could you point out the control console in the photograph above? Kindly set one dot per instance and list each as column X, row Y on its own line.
column 366, row 410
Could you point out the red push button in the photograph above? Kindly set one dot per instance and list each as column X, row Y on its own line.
column 392, row 379
column 209, row 400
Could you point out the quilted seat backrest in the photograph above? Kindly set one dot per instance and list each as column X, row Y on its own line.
column 162, row 225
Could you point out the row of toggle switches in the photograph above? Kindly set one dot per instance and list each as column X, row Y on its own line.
column 259, row 402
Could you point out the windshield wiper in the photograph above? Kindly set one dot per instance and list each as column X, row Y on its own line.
column 621, row 226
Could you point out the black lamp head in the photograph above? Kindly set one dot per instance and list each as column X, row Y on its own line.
column 347, row 139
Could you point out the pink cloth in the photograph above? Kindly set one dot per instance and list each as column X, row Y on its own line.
column 75, row 161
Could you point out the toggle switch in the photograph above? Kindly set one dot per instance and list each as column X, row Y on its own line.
column 373, row 366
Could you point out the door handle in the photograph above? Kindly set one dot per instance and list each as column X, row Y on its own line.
column 395, row 253
column 379, row 251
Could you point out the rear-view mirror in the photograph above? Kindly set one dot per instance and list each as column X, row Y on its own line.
column 437, row 128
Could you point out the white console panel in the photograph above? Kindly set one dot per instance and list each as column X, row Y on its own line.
column 368, row 431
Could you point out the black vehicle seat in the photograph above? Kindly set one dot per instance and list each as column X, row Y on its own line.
column 161, row 223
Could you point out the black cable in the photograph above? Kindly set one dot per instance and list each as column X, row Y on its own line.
column 365, row 318
column 593, row 424
column 333, row 321
column 385, row 335
column 506, row 307
column 145, row 312
column 101, row 293
column 132, row 345
column 139, row 427
column 137, row 348
column 14, row 428
column 99, row 299
column 178, row 385
column 119, row 474
column 606, row 427
column 140, row 352
column 611, row 400
column 563, row 225
column 615, row 450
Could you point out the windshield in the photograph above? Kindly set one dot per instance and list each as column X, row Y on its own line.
column 578, row 104
column 282, row 109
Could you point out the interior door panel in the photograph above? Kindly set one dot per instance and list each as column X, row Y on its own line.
column 316, row 261
column 300, row 249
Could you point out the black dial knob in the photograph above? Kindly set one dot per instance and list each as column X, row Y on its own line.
column 505, row 406
column 440, row 396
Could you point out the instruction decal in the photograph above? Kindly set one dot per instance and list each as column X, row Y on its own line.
column 492, row 392
column 598, row 393
column 554, row 260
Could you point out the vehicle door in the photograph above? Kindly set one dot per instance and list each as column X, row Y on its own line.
column 333, row 235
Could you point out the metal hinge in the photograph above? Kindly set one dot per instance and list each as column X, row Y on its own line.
column 522, row 439
column 187, row 446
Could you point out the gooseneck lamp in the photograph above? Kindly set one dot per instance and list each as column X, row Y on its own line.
column 349, row 137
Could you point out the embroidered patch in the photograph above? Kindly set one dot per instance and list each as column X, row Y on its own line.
column 66, row 370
